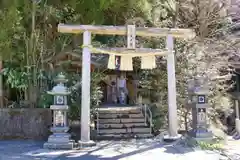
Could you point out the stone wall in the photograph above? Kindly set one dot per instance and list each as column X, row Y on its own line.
column 25, row 123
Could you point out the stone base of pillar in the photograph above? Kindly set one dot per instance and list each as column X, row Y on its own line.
column 237, row 122
column 82, row 144
column 236, row 136
column 201, row 134
column 60, row 146
column 168, row 138
column 59, row 141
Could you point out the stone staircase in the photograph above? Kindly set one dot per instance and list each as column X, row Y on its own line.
column 123, row 122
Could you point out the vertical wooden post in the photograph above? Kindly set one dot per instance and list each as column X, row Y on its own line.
column 172, row 102
column 86, row 82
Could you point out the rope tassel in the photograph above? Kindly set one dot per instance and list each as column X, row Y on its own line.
column 148, row 62
column 111, row 61
column 126, row 63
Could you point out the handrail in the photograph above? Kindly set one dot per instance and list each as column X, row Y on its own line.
column 97, row 122
column 145, row 114
column 148, row 116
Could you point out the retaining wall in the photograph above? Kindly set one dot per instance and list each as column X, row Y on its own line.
column 25, row 123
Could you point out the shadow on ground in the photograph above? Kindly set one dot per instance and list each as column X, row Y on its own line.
column 114, row 150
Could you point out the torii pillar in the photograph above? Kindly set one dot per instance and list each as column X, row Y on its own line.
column 85, row 99
column 172, row 97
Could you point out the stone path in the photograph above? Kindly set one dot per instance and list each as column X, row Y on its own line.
column 233, row 149
column 105, row 150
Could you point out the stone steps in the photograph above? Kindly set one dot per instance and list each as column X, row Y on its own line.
column 124, row 130
column 119, row 110
column 119, row 125
column 122, row 136
column 122, row 122
column 120, row 115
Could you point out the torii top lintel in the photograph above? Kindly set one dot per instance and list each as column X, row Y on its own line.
column 122, row 30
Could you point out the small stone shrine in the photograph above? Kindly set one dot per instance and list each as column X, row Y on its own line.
column 60, row 139
column 199, row 102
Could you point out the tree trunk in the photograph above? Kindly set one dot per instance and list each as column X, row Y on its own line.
column 1, row 85
column 33, row 94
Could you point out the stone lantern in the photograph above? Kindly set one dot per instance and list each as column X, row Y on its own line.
column 199, row 102
column 60, row 139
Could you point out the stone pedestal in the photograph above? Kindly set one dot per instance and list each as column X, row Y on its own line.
column 237, row 121
column 201, row 134
column 199, row 99
column 85, row 144
column 237, row 124
column 168, row 138
column 60, row 139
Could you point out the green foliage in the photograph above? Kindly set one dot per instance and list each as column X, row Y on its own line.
column 96, row 92
column 29, row 40
column 10, row 28
column 74, row 111
column 45, row 100
column 159, row 115
column 16, row 79
column 200, row 57
column 210, row 145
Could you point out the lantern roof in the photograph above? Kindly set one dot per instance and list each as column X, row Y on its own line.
column 59, row 89
column 60, row 78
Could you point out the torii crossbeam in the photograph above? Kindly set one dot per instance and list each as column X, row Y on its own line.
column 122, row 30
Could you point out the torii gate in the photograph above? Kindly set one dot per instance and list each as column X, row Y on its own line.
column 123, row 30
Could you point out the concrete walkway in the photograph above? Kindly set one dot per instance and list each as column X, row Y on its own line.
column 233, row 149
column 105, row 150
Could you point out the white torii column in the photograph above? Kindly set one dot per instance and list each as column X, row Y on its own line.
column 237, row 119
column 85, row 99
column 172, row 102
